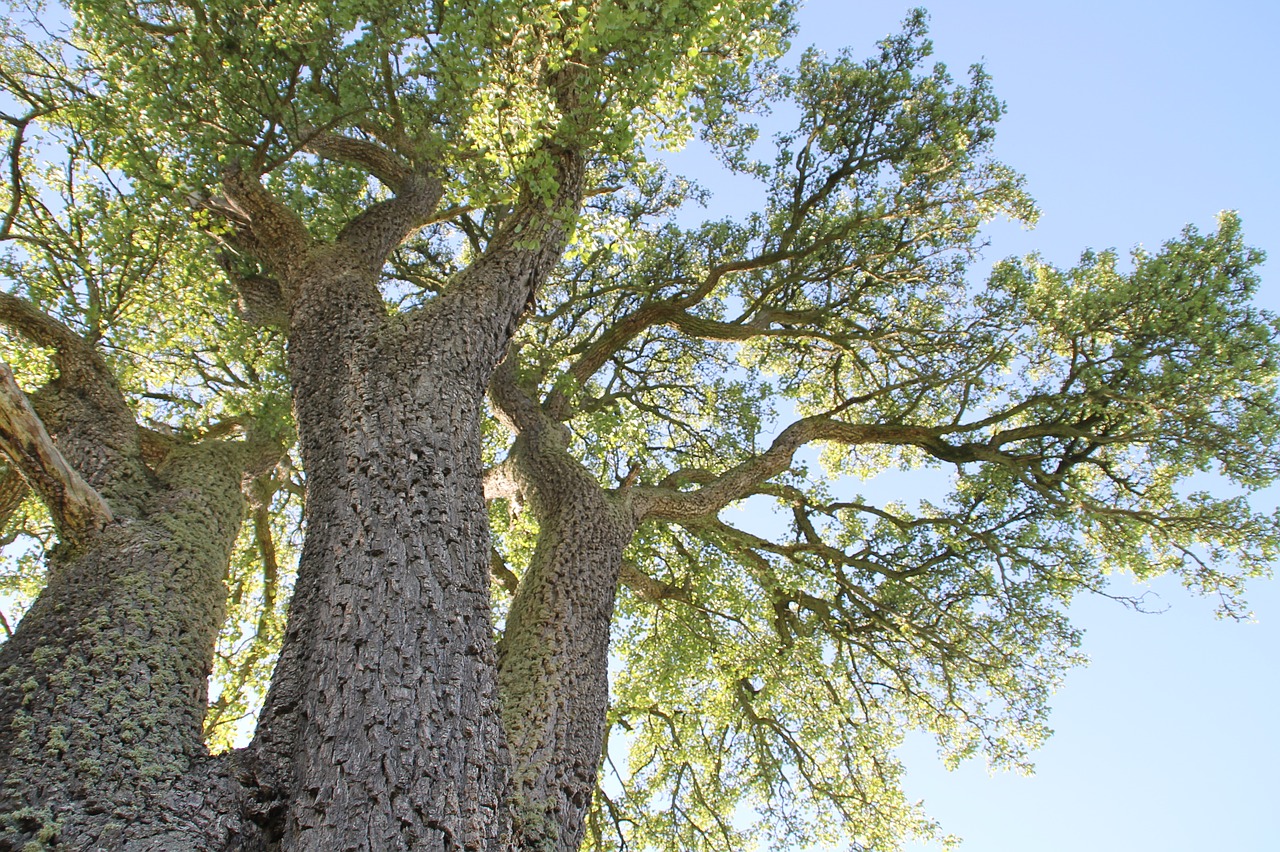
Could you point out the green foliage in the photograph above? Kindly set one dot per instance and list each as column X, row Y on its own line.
column 1066, row 419
column 1150, row 377
column 258, row 585
column 27, row 534
column 480, row 89
column 1115, row 416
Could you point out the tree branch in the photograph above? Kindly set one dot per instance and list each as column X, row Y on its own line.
column 514, row 405
column 78, row 510
column 41, row 329
column 381, row 162
column 488, row 299
column 78, row 362
column 675, row 312
column 501, row 572
column 264, row 226
column 374, row 233
column 649, row 588
column 15, row 172
column 743, row 479
column 501, row 482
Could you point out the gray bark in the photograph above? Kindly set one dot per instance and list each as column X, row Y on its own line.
column 103, row 685
column 382, row 728
column 13, row 490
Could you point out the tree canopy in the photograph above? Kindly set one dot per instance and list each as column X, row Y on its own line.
column 178, row 173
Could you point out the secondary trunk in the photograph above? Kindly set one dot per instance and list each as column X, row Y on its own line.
column 103, row 685
column 553, row 670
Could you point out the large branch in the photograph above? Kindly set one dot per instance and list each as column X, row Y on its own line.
column 78, row 362
column 41, row 329
column 263, row 225
column 502, row 483
column 380, row 228
column 485, row 302
column 381, row 162
column 743, row 479
column 266, row 229
column 77, row 509
column 675, row 312
column 514, row 404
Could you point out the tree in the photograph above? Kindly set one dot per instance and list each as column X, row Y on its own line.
column 428, row 204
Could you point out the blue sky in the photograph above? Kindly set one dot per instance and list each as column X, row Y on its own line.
column 1130, row 120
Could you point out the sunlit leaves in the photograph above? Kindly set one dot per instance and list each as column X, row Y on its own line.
column 26, row 534
column 1088, row 400
column 1141, row 379
column 1061, row 414
column 481, row 90
column 259, row 584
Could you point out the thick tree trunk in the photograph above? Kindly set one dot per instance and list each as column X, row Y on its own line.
column 553, row 670
column 382, row 728
column 395, row 730
column 103, row 685
column 382, row 721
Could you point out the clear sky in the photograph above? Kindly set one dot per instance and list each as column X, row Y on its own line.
column 1130, row 120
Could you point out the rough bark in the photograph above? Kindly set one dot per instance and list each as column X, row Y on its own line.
column 103, row 684
column 553, row 669
column 381, row 724
column 382, row 729
column 13, row 490
column 84, row 409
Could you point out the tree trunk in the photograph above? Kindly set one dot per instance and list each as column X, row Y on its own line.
column 382, row 729
column 382, row 722
column 103, row 685
column 553, row 670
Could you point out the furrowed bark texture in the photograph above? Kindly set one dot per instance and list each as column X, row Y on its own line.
column 13, row 490
column 385, row 697
column 553, row 669
column 103, row 685
column 382, row 728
